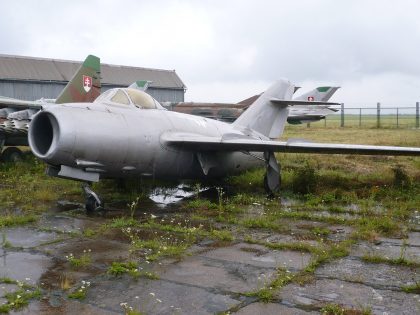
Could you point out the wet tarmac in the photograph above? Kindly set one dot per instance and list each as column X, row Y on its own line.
column 214, row 277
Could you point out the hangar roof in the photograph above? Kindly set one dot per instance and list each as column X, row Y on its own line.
column 43, row 69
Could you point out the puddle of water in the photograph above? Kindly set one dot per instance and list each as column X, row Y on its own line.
column 166, row 196
column 26, row 237
column 27, row 267
column 61, row 223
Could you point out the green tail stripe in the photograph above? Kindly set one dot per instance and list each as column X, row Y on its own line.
column 92, row 62
column 323, row 88
column 141, row 83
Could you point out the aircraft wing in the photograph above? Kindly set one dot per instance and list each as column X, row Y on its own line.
column 244, row 143
column 19, row 104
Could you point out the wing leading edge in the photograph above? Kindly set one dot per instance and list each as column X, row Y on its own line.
column 191, row 141
column 19, row 104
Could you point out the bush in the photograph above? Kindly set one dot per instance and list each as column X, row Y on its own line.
column 305, row 179
column 401, row 178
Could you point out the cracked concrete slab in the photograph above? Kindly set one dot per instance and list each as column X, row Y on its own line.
column 158, row 297
column 390, row 250
column 259, row 256
column 271, row 308
column 65, row 307
column 350, row 295
column 217, row 274
column 376, row 275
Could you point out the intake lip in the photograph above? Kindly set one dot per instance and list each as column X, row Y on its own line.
column 43, row 135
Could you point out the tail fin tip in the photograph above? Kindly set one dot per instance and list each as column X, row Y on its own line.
column 93, row 62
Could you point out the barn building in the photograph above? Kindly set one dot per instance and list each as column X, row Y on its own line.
column 29, row 78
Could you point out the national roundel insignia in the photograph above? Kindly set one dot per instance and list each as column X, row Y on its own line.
column 310, row 98
column 87, row 83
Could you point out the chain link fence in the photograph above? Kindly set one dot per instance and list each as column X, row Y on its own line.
column 372, row 117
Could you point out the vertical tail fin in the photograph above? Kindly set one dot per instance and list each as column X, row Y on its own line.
column 265, row 117
column 85, row 86
column 141, row 85
column 320, row 94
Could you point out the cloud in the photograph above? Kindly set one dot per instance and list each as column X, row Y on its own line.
column 369, row 47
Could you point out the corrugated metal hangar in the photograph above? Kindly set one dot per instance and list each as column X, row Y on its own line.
column 29, row 78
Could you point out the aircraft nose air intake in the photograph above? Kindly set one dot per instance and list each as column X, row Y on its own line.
column 43, row 134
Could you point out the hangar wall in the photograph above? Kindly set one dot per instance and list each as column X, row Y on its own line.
column 29, row 78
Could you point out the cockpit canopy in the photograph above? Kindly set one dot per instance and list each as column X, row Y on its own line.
column 128, row 96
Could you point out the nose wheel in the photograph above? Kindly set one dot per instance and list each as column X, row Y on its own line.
column 93, row 202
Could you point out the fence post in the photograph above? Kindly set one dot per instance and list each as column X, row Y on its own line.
column 397, row 117
column 378, row 115
column 417, row 115
column 360, row 117
column 342, row 115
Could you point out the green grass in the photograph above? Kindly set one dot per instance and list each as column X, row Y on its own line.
column 20, row 297
column 25, row 185
column 14, row 220
column 222, row 235
column 335, row 309
column 402, row 261
column 131, row 268
column 201, row 204
column 328, row 253
column 83, row 261
column 159, row 248
column 415, row 288
column 266, row 294
column 353, row 119
column 123, row 222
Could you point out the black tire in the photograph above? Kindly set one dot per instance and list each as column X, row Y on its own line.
column 12, row 154
column 265, row 183
column 269, row 192
column 91, row 204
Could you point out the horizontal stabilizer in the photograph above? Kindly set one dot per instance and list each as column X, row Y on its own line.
column 294, row 102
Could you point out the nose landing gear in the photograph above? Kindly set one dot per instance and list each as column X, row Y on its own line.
column 93, row 202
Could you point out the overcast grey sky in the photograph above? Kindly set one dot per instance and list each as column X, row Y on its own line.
column 229, row 50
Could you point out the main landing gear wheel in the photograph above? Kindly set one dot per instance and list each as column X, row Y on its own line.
column 93, row 202
column 272, row 178
column 12, row 154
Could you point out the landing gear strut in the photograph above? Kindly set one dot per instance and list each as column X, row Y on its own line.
column 272, row 176
column 11, row 154
column 93, row 202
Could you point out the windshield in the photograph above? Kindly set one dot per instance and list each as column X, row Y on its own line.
column 127, row 96
column 104, row 96
column 140, row 98
column 120, row 98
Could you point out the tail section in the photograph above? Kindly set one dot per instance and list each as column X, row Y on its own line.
column 85, row 86
column 321, row 94
column 264, row 116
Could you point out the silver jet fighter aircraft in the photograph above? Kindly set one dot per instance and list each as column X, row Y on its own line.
column 126, row 133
